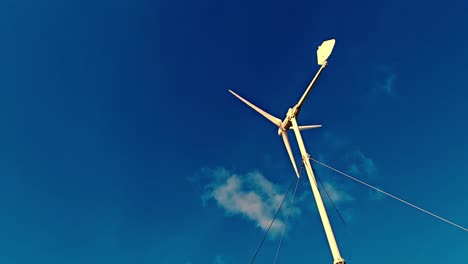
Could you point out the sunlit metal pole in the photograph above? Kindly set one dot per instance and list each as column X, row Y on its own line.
column 337, row 259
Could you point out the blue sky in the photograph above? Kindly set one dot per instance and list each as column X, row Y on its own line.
column 120, row 143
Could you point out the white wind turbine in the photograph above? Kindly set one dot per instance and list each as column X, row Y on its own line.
column 290, row 122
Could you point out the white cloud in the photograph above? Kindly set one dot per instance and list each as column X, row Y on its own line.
column 361, row 164
column 385, row 83
column 357, row 162
column 344, row 156
column 337, row 193
column 333, row 140
column 255, row 198
column 375, row 195
column 338, row 190
column 251, row 196
column 220, row 260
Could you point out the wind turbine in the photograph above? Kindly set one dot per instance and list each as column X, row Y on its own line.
column 290, row 122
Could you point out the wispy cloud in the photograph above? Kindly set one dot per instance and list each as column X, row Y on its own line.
column 341, row 149
column 343, row 155
column 340, row 195
column 333, row 140
column 375, row 195
column 361, row 164
column 337, row 194
column 386, row 85
column 385, row 81
column 255, row 198
column 251, row 196
column 339, row 191
column 220, row 260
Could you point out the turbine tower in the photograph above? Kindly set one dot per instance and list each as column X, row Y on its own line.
column 290, row 122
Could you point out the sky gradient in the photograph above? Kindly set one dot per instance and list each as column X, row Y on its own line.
column 119, row 142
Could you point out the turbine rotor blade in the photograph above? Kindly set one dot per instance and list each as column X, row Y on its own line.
column 273, row 119
column 284, row 134
column 306, row 127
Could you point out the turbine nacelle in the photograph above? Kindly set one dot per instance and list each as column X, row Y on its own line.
column 283, row 126
column 286, row 124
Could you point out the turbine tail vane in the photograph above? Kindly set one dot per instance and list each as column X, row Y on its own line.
column 324, row 51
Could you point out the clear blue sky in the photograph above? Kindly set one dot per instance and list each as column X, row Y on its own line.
column 119, row 142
